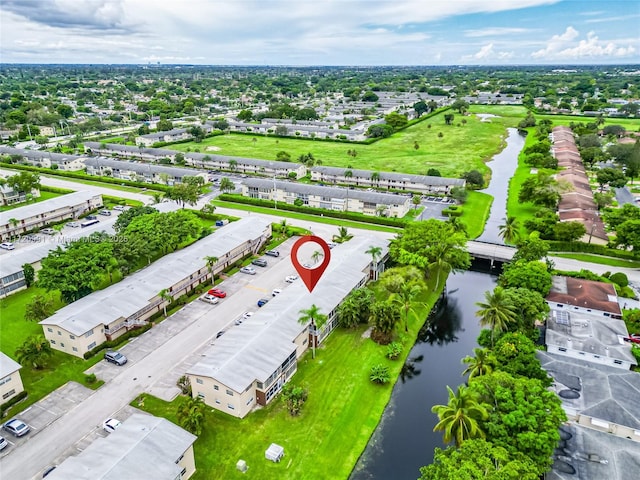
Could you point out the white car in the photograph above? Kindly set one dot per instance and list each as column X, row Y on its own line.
column 120, row 208
column 7, row 246
column 248, row 270
column 110, row 425
column 276, row 291
column 73, row 224
column 291, row 278
column 210, row 299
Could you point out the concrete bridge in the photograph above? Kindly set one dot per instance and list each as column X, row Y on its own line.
column 490, row 251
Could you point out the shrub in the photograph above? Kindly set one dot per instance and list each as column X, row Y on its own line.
column 295, row 398
column 379, row 374
column 91, row 378
column 619, row 278
column 394, row 349
column 7, row 405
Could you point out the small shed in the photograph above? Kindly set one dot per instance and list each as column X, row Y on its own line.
column 274, row 453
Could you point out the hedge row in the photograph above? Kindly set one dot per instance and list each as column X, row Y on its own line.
column 581, row 247
column 7, row 405
column 83, row 176
column 118, row 341
column 353, row 216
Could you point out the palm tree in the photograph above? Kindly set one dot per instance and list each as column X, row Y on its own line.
column 316, row 256
column 376, row 253
column 165, row 296
column 480, row 364
column 34, row 351
column 459, row 419
column 457, row 225
column 416, row 199
column 510, row 231
column 190, row 414
column 442, row 253
column 317, row 321
column 233, row 164
column 342, row 236
column 406, row 299
column 226, row 185
column 348, row 174
column 375, row 177
column 14, row 223
column 157, row 197
column 211, row 261
column 111, row 266
column 497, row 312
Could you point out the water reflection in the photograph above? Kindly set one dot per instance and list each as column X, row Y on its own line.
column 443, row 323
column 409, row 369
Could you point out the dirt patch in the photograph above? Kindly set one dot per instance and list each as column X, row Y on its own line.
column 212, row 149
column 367, row 333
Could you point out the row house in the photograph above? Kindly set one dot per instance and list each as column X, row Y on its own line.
column 109, row 313
column 35, row 216
column 10, row 379
column 149, row 173
column 45, row 159
column 330, row 198
column 391, row 181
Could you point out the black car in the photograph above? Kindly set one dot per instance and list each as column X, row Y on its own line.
column 272, row 253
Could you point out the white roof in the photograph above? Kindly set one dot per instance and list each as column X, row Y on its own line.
column 29, row 211
column 256, row 348
column 133, row 293
column 8, row 365
column 144, row 446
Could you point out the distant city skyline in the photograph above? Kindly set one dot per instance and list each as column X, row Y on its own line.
column 321, row 32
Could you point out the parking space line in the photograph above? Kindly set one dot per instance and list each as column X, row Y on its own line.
column 259, row 289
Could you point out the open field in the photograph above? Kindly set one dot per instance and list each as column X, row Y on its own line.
column 462, row 147
column 325, row 441
column 475, row 213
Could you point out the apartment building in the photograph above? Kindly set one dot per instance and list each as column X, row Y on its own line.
column 10, row 380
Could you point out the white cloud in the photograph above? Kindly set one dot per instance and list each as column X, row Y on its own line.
column 564, row 48
column 495, row 31
column 487, row 54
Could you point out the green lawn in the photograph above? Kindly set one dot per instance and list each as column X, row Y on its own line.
column 586, row 257
column 14, row 330
column 44, row 195
column 326, row 440
column 462, row 147
column 475, row 213
column 98, row 183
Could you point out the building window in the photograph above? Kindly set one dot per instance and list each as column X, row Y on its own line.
column 562, row 349
column 229, row 392
column 72, row 337
column 230, row 407
column 215, row 387
column 250, row 400
column 217, row 402
column 89, row 333
column 9, row 394
column 91, row 345
column 201, row 395
column 199, row 380
column 74, row 349
column 62, row 344
column 618, row 362
column 53, row 342
column 59, row 332
column 49, row 329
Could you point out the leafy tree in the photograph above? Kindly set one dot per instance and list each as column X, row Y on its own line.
column 459, row 194
column 316, row 320
column 530, row 307
column 197, row 132
column 226, row 185
column 184, row 194
column 396, row 120
column 294, row 396
column 384, row 316
column 532, row 275
column 379, row 131
column 164, row 125
column 510, row 230
column 460, row 105
column 482, row 363
column 460, row 418
column 448, row 118
column 420, row 107
column 515, row 354
column 129, row 214
column 190, row 414
column 24, row 182
column 416, row 200
column 245, row 115
column 29, row 274
column 523, row 416
column 283, row 156
column 474, row 178
column 434, row 172
column 616, row 216
column 628, row 234
column 35, row 351
column 370, row 97
column 543, row 222
column 614, row 130
column 39, row 308
column 355, row 309
column 569, row 231
column 496, row 312
column 541, row 190
column 528, row 121
column 478, row 459
column 612, row 177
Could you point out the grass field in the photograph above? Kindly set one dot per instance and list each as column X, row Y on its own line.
column 326, row 440
column 462, row 147
column 586, row 257
column 44, row 195
column 475, row 213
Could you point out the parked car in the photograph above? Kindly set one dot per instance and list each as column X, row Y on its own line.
column 276, row 291
column 210, row 299
column 244, row 317
column 91, row 217
column 73, row 224
column 220, row 333
column 260, row 262
column 216, row 292
column 106, row 213
column 110, row 425
column 120, row 208
column 48, row 231
column 263, row 301
column 331, row 244
column 272, row 253
column 48, row 470
column 16, row 427
column 290, row 278
column 248, row 270
column 7, row 246
column 633, row 338
column 3, row 443
column 115, row 357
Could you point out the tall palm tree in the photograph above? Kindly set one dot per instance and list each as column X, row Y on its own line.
column 317, row 320
column 211, row 261
column 375, row 177
column 459, row 419
column 342, row 236
column 316, row 256
column 376, row 253
column 406, row 299
column 233, row 164
column 480, row 364
column 442, row 262
column 165, row 296
column 510, row 230
column 496, row 312
column 190, row 414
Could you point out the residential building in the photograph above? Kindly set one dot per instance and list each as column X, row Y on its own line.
column 10, row 380
column 32, row 217
column 45, row 159
column 330, row 198
column 149, row 173
column 391, row 181
column 109, row 313
column 143, row 446
column 585, row 322
column 9, row 196
column 170, row 136
column 297, row 129
column 250, row 364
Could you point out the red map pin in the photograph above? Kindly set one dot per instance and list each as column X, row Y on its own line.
column 310, row 276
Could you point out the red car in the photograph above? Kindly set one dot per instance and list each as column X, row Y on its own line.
column 633, row 337
column 216, row 292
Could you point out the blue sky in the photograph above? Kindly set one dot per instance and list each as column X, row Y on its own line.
column 321, row 32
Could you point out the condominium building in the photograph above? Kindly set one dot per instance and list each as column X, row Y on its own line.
column 10, row 380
